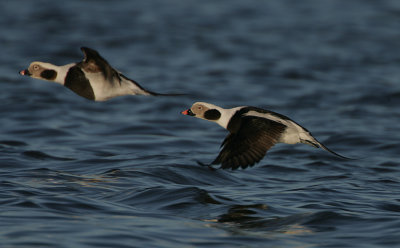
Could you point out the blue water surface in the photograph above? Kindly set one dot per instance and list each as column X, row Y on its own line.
column 123, row 173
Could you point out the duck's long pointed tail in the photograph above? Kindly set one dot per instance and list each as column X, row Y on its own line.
column 137, row 89
column 334, row 153
column 152, row 93
column 314, row 142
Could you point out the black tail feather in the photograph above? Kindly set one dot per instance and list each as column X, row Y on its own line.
column 315, row 143
column 165, row 94
column 334, row 153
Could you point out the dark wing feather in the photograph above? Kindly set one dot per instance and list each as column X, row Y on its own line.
column 93, row 62
column 249, row 144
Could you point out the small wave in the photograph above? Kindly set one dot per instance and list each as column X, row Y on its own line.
column 70, row 204
column 163, row 198
column 390, row 207
column 12, row 143
column 281, row 169
column 43, row 156
column 257, row 218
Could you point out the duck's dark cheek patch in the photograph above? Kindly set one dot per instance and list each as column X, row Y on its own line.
column 49, row 74
column 212, row 114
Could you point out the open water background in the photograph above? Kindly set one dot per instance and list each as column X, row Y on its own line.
column 123, row 173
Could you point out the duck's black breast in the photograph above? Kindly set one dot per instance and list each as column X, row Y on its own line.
column 78, row 83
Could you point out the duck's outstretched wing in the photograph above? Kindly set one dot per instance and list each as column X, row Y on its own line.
column 249, row 144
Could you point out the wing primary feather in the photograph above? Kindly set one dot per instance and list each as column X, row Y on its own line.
column 248, row 143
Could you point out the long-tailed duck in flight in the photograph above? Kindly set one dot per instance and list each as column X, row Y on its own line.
column 92, row 78
column 252, row 132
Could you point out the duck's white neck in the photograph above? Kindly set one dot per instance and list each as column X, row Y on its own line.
column 62, row 73
column 226, row 115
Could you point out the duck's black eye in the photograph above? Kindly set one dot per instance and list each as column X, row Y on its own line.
column 36, row 67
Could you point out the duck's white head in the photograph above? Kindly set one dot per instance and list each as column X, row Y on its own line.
column 210, row 112
column 46, row 71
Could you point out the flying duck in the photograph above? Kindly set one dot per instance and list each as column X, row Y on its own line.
column 252, row 132
column 92, row 78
